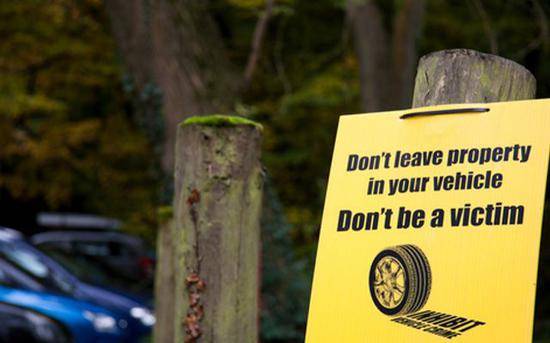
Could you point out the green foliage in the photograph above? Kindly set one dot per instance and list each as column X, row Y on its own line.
column 285, row 277
column 301, row 160
column 165, row 213
column 67, row 141
column 306, row 77
column 514, row 23
column 247, row 4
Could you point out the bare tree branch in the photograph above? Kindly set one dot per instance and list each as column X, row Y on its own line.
column 487, row 26
column 544, row 36
column 278, row 57
column 543, row 23
column 257, row 40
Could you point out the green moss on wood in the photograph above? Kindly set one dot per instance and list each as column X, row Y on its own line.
column 165, row 213
column 220, row 120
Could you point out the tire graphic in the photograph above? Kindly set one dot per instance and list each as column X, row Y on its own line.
column 400, row 280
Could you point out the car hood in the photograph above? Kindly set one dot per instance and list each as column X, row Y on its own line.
column 119, row 304
column 105, row 298
column 47, row 303
column 71, row 313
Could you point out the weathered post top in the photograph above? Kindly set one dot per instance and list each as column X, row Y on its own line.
column 467, row 76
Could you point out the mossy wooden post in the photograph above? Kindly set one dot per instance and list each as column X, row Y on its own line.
column 218, row 197
column 165, row 277
column 467, row 76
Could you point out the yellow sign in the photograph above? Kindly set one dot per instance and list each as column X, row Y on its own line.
column 432, row 224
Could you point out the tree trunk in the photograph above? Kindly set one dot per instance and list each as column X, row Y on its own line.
column 407, row 25
column 218, row 181
column 371, row 46
column 175, row 46
column 386, row 53
column 467, row 76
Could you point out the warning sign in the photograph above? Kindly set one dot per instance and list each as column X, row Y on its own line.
column 432, row 224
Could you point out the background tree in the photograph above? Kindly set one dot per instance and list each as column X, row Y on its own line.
column 177, row 46
column 385, row 37
column 66, row 141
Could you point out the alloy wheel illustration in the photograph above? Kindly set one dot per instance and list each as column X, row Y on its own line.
column 400, row 280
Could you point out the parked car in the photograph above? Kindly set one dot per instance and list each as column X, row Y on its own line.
column 116, row 253
column 22, row 325
column 29, row 316
column 25, row 267
column 93, row 273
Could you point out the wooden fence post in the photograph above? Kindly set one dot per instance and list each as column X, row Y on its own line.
column 217, row 205
column 467, row 76
column 165, row 277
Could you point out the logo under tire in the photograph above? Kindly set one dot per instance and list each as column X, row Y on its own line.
column 400, row 280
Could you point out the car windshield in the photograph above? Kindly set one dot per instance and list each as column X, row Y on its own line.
column 94, row 272
column 37, row 265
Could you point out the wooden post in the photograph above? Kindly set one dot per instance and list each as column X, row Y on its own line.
column 218, row 197
column 467, row 76
column 165, row 277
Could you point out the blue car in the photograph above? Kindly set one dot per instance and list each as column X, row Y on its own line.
column 26, row 268
column 51, row 318
column 19, row 324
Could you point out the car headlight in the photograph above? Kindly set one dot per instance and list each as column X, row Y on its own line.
column 146, row 317
column 101, row 322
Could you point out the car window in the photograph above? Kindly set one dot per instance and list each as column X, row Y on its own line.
column 102, row 249
column 92, row 248
column 37, row 265
column 119, row 249
column 28, row 261
column 12, row 277
column 5, row 279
